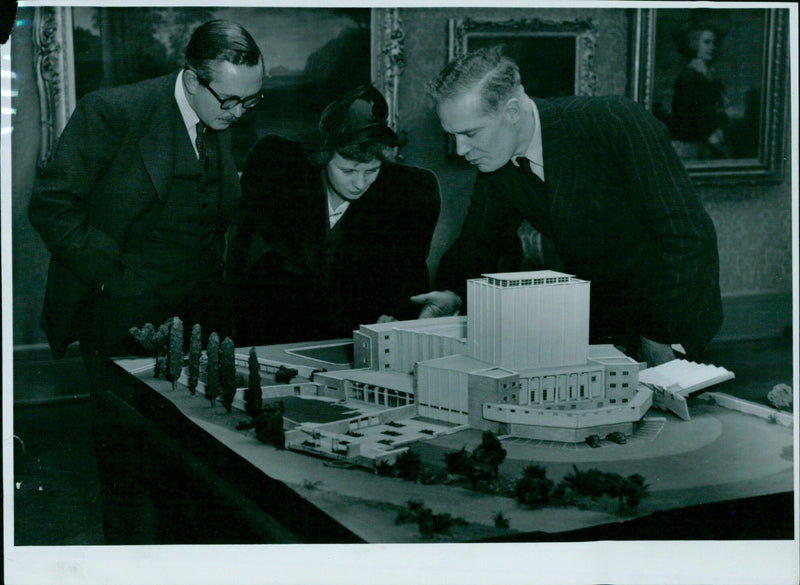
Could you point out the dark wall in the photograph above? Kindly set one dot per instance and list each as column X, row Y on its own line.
column 753, row 222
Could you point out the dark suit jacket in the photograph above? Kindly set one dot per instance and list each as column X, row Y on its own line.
column 113, row 163
column 622, row 213
column 301, row 286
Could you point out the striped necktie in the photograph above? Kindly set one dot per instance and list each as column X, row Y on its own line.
column 202, row 151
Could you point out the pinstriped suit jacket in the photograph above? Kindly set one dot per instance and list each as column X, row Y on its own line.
column 622, row 213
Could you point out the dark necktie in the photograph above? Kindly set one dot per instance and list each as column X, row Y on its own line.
column 539, row 191
column 202, row 151
column 525, row 167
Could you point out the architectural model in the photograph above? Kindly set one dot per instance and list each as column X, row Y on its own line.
column 519, row 364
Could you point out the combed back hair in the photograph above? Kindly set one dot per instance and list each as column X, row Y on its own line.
column 362, row 153
column 691, row 40
column 220, row 40
column 489, row 68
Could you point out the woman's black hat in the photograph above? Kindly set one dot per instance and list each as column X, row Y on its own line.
column 359, row 116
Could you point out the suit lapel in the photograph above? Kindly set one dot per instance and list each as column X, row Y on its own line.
column 564, row 167
column 156, row 146
column 556, row 147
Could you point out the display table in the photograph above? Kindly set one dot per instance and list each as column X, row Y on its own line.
column 723, row 475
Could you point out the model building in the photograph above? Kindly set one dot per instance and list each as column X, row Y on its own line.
column 519, row 363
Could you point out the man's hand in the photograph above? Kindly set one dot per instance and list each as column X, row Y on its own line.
column 438, row 303
column 655, row 353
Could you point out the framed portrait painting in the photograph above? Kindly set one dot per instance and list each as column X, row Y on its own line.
column 717, row 78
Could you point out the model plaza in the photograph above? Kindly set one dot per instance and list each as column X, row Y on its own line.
column 519, row 363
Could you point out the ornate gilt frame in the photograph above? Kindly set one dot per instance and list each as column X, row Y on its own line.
column 55, row 75
column 583, row 30
column 769, row 164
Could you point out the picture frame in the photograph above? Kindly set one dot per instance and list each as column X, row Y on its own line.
column 564, row 50
column 66, row 63
column 750, row 70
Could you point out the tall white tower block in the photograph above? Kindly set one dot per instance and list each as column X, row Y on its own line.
column 523, row 320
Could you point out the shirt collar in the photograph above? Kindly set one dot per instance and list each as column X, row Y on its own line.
column 190, row 118
column 534, row 152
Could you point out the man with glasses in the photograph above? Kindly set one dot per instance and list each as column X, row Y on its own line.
column 134, row 208
column 135, row 205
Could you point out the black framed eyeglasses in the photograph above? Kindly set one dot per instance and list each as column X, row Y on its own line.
column 233, row 101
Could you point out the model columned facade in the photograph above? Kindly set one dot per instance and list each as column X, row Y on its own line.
column 519, row 363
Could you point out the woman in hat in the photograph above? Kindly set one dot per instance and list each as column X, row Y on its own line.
column 332, row 232
column 698, row 112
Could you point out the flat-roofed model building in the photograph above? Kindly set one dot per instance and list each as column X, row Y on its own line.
column 518, row 363
column 528, row 319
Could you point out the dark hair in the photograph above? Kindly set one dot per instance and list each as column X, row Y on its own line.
column 363, row 153
column 220, row 40
column 687, row 40
column 489, row 68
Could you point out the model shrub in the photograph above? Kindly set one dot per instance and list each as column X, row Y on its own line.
column 269, row 426
column 284, row 375
column 533, row 488
column 501, row 521
column 384, row 468
column 408, row 465
column 227, row 373
column 781, row 396
column 212, row 367
column 457, row 461
column 175, row 361
column 155, row 342
column 252, row 396
column 490, row 452
column 195, row 350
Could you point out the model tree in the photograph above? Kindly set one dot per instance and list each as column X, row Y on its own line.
column 269, row 425
column 409, row 465
column 781, row 396
column 195, row 349
column 490, row 452
column 212, row 367
column 175, row 355
column 533, row 488
column 284, row 375
column 227, row 373
column 252, row 396
column 154, row 341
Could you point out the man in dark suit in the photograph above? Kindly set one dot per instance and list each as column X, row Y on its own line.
column 134, row 207
column 598, row 178
column 332, row 233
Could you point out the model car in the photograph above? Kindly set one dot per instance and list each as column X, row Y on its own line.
column 593, row 441
column 617, row 437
